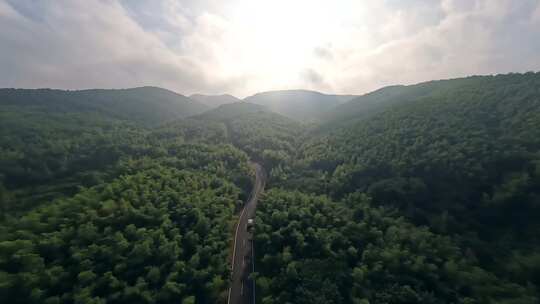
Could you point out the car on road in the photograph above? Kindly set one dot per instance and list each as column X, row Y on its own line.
column 250, row 224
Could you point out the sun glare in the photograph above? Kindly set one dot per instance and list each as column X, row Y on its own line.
column 283, row 35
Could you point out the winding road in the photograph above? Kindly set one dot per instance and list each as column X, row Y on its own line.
column 242, row 290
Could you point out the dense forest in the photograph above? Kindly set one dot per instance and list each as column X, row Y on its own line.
column 315, row 250
column 428, row 193
column 265, row 136
column 145, row 105
column 458, row 157
column 96, row 209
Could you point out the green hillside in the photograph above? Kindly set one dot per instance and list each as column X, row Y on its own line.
column 231, row 111
column 147, row 105
column 54, row 141
column 213, row 101
column 264, row 135
column 387, row 97
column 96, row 209
column 300, row 105
column 461, row 157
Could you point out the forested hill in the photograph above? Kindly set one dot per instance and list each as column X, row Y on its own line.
column 300, row 105
column 230, row 111
column 384, row 98
column 147, row 105
column 100, row 210
column 450, row 158
column 265, row 136
column 460, row 157
column 214, row 100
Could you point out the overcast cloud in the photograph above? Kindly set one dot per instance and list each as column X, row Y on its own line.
column 246, row 46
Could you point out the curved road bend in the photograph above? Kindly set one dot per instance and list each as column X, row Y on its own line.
column 242, row 289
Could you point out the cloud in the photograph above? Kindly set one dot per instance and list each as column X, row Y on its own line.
column 245, row 46
column 87, row 44
column 473, row 37
column 314, row 80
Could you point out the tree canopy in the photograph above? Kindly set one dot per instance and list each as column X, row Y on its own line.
column 427, row 193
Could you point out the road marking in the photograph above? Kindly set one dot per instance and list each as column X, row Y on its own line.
column 253, row 268
column 234, row 250
column 242, row 288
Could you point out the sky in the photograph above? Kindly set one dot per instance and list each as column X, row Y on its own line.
column 242, row 47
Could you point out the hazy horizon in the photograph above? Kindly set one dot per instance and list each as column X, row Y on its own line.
column 242, row 97
column 238, row 48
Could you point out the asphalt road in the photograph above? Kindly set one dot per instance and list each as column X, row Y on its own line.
column 242, row 288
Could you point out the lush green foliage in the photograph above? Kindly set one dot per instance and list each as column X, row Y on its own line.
column 312, row 250
column 99, row 210
column 213, row 101
column 462, row 157
column 53, row 141
column 411, row 194
column 158, row 235
column 267, row 137
column 44, row 156
column 145, row 105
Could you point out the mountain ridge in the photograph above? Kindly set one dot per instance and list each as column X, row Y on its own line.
column 215, row 100
column 147, row 105
column 298, row 104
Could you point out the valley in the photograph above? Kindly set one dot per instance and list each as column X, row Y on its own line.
column 426, row 193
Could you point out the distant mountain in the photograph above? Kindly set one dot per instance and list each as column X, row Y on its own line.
column 264, row 135
column 147, row 105
column 344, row 98
column 230, row 111
column 298, row 104
column 382, row 99
column 214, row 100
